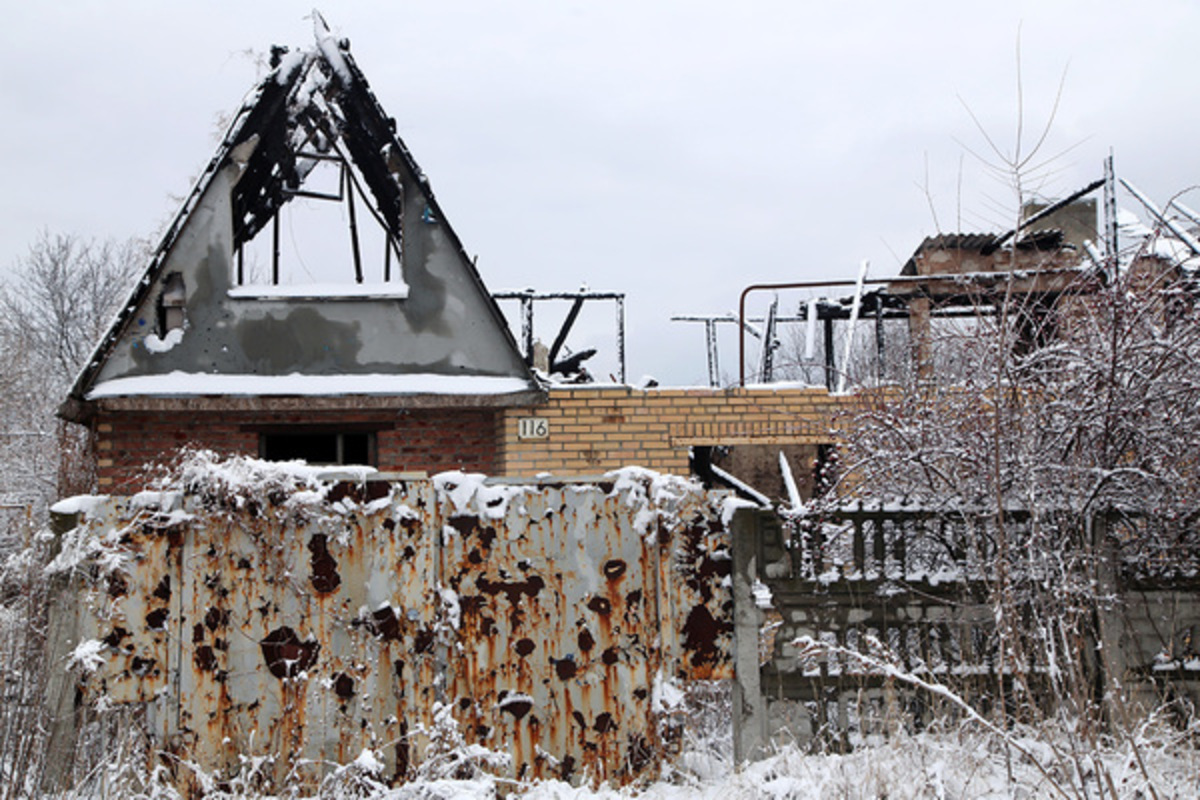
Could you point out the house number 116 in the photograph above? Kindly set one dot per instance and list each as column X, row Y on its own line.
column 533, row 428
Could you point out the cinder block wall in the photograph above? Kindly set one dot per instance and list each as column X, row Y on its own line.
column 428, row 440
column 599, row 428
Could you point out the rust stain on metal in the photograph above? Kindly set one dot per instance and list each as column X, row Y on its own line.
column 701, row 636
column 512, row 589
column 565, row 668
column 343, row 685
column 205, row 659
column 325, row 576
column 156, row 620
column 614, row 569
column 600, row 605
column 355, row 492
column 286, row 655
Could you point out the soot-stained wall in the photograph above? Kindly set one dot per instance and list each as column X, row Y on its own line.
column 444, row 326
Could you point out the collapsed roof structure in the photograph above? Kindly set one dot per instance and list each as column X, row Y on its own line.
column 1057, row 250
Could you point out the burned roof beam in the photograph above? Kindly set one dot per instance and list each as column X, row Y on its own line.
column 258, row 195
column 1048, row 210
column 368, row 135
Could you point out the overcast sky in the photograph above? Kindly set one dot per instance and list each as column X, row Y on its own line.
column 675, row 151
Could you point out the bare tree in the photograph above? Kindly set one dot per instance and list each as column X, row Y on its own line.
column 62, row 296
column 55, row 304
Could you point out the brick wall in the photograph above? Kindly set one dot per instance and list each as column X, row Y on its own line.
column 590, row 430
column 595, row 429
column 428, row 440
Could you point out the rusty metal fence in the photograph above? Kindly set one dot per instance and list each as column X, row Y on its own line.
column 441, row 622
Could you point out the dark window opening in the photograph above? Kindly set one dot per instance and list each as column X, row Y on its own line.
column 755, row 470
column 319, row 448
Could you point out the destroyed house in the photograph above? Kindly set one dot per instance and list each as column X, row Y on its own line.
column 310, row 300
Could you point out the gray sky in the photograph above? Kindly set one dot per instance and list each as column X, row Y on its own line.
column 676, row 151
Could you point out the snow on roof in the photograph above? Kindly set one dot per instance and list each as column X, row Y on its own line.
column 331, row 49
column 177, row 384
column 1138, row 239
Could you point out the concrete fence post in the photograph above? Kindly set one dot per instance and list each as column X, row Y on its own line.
column 1109, row 617
column 749, row 705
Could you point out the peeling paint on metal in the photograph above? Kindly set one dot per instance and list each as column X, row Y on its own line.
column 540, row 616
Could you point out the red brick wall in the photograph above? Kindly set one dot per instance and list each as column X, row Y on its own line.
column 428, row 440
column 439, row 440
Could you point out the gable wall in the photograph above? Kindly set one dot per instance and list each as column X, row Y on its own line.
column 445, row 326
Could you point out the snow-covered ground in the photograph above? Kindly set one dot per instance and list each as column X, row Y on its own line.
column 962, row 766
column 967, row 764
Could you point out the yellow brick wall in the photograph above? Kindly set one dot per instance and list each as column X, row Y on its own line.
column 600, row 428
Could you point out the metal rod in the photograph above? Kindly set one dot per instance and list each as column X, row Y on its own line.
column 275, row 247
column 521, row 294
column 1183, row 235
column 855, row 306
column 829, row 365
column 527, row 328
column 568, row 323
column 621, row 337
column 387, row 256
column 352, row 183
column 879, row 342
column 1187, row 212
column 733, row 319
column 1110, row 212
column 358, row 271
column 766, row 361
column 714, row 369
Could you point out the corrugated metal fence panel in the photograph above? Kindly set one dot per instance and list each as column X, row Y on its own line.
column 558, row 650
column 309, row 637
column 300, row 628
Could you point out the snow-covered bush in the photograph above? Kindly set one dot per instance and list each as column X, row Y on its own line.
column 1076, row 437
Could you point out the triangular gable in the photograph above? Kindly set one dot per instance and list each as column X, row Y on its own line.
column 414, row 319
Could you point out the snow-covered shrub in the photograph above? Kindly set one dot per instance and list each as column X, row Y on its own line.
column 448, row 755
column 1072, row 450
